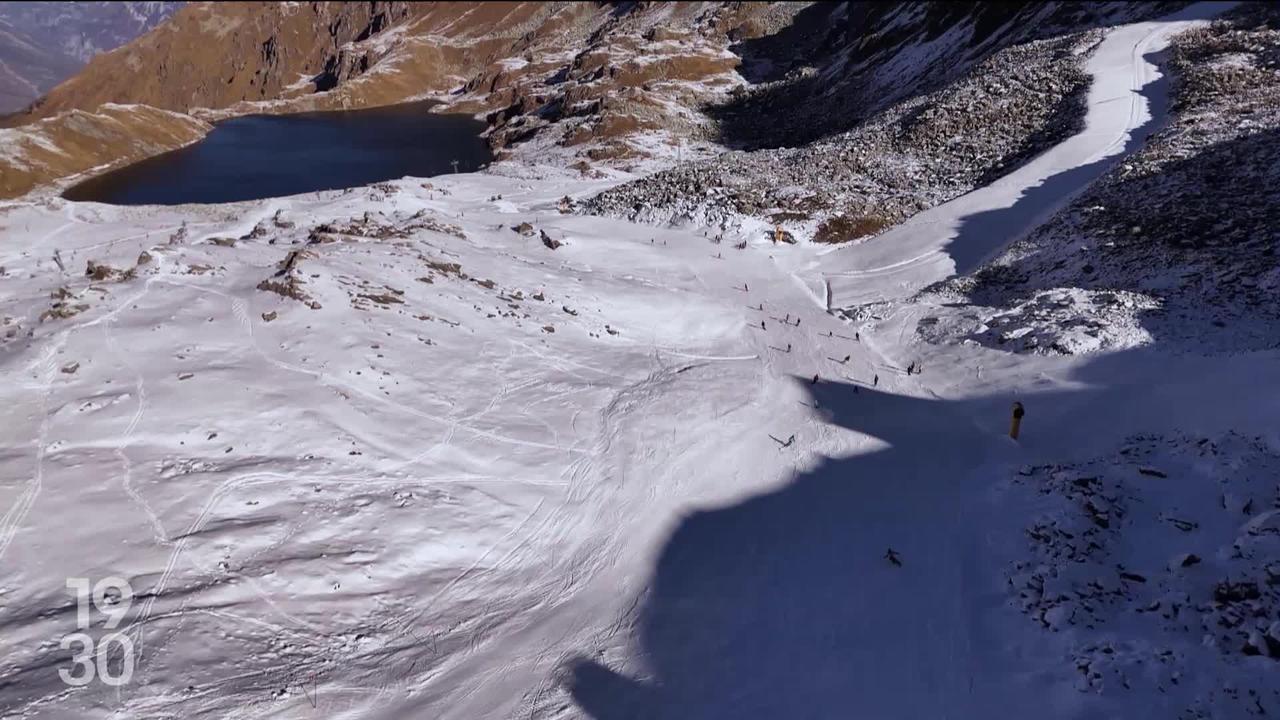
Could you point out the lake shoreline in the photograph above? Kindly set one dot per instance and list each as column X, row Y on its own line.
column 267, row 155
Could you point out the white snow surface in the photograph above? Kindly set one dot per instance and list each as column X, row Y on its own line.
column 561, row 486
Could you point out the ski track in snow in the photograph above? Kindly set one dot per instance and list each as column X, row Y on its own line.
column 623, row 439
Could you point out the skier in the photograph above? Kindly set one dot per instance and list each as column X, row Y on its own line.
column 797, row 322
column 911, row 369
column 788, row 347
column 892, row 557
column 857, row 337
column 815, row 379
column 846, row 358
column 762, row 325
column 875, row 381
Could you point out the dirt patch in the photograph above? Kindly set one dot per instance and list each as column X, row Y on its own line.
column 844, row 228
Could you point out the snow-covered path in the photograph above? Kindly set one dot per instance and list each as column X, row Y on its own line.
column 1127, row 102
column 486, row 479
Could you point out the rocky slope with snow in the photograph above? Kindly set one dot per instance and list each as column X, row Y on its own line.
column 898, row 108
column 1160, row 560
column 912, row 156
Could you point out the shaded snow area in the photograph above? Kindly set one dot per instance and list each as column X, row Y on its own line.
column 446, row 449
column 1065, row 321
column 1157, row 570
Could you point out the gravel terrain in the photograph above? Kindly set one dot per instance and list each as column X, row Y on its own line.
column 915, row 155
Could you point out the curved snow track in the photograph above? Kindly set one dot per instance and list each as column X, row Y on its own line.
column 1127, row 102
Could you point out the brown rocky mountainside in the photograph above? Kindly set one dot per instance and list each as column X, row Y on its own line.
column 235, row 58
column 600, row 74
column 577, row 82
column 214, row 54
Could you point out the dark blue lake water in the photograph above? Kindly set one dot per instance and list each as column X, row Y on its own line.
column 260, row 156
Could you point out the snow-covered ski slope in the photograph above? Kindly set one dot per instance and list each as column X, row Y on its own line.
column 463, row 475
column 1128, row 100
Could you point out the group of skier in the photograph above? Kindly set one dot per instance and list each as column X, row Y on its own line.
column 891, row 556
column 787, row 320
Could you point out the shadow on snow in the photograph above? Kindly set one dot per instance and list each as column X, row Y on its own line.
column 785, row 605
column 973, row 243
